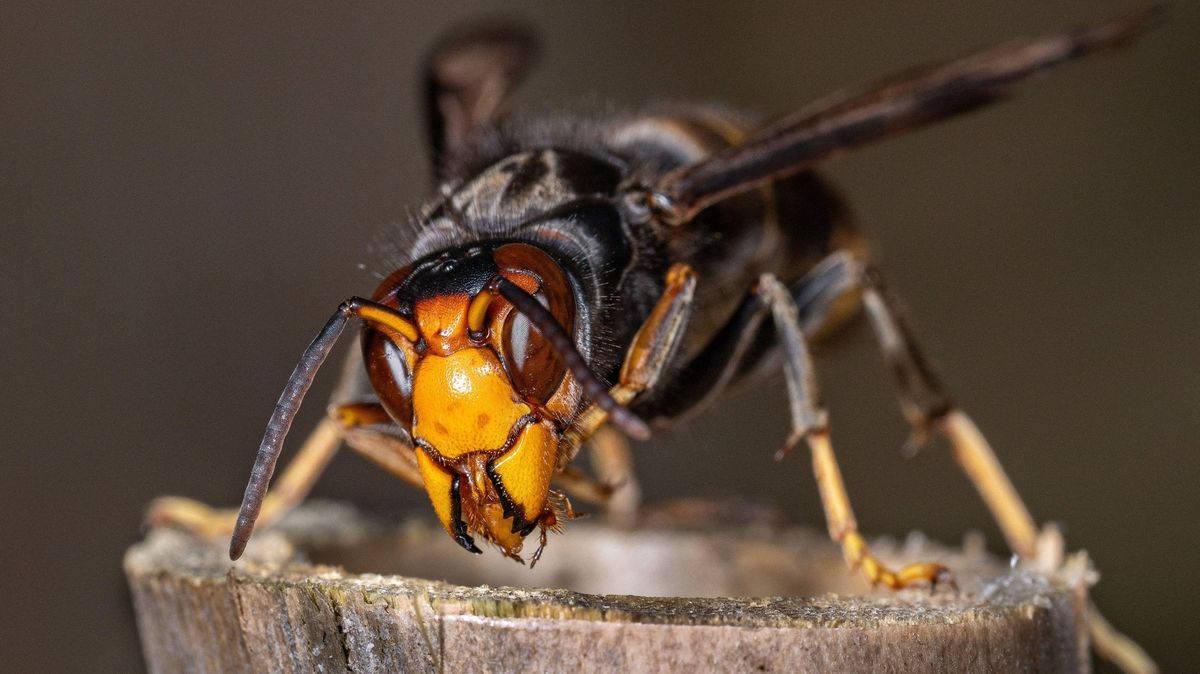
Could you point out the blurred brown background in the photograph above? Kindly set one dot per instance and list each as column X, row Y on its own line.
column 189, row 189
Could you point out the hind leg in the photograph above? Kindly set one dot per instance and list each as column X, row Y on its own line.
column 929, row 408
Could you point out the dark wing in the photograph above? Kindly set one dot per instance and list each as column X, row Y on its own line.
column 893, row 105
column 468, row 78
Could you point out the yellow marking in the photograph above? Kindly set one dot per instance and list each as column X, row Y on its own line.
column 499, row 529
column 482, row 511
column 477, row 311
column 390, row 320
column 526, row 469
column 437, row 485
column 453, row 394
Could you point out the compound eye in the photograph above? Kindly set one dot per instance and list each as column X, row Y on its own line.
column 386, row 292
column 535, row 369
column 388, row 368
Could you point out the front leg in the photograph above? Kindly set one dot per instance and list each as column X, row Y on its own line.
column 289, row 490
column 646, row 358
column 614, row 487
column 360, row 425
column 645, row 361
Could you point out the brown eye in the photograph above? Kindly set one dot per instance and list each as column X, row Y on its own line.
column 388, row 370
column 535, row 369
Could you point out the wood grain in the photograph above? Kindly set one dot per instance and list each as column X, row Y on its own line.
column 329, row 590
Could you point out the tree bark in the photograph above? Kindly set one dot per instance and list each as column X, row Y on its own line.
column 308, row 597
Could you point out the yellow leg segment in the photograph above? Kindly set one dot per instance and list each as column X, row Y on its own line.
column 976, row 458
column 1116, row 647
column 646, row 358
column 925, row 403
column 390, row 452
column 843, row 528
column 289, row 490
column 614, row 487
column 612, row 463
column 345, row 422
column 590, row 421
column 579, row 485
column 979, row 462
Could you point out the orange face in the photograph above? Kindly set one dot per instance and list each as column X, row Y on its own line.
column 483, row 397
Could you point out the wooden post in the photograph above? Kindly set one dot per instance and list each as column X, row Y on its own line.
column 309, row 597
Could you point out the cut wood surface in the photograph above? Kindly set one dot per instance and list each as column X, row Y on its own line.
column 696, row 588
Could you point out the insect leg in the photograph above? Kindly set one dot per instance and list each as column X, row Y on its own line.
column 927, row 406
column 289, row 402
column 369, row 430
column 652, row 348
column 582, row 486
column 612, row 462
column 289, row 490
column 745, row 350
column 809, row 424
column 614, row 486
column 359, row 424
column 316, row 452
